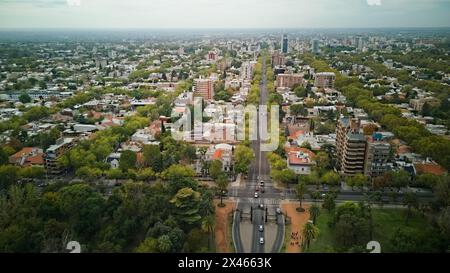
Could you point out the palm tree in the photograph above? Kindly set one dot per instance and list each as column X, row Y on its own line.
column 164, row 244
column 208, row 226
column 222, row 184
column 310, row 233
column 314, row 212
column 300, row 190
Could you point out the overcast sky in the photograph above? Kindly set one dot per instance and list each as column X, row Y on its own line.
column 223, row 13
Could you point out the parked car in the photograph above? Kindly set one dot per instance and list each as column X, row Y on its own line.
column 256, row 195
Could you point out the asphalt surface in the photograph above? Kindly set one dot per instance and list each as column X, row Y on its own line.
column 259, row 170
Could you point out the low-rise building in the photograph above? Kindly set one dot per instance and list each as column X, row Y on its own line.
column 28, row 156
column 300, row 160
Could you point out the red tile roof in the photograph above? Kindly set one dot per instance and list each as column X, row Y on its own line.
column 430, row 168
column 292, row 153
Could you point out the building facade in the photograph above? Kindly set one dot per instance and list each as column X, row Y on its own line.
column 325, row 80
column 277, row 59
column 350, row 147
column 284, row 44
column 54, row 153
column 204, row 88
column 377, row 157
column 289, row 80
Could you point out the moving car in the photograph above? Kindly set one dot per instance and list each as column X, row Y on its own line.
column 261, row 228
column 261, row 240
column 256, row 195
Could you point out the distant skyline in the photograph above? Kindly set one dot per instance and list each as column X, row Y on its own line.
column 223, row 14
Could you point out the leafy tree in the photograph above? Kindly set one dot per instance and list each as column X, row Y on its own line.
column 300, row 91
column 89, row 174
column 311, row 179
column 298, row 110
column 243, row 157
column 426, row 180
column 149, row 245
column 400, row 179
column 351, row 225
column 127, row 160
column 222, row 185
column 8, row 176
column 24, row 98
column 322, row 161
column 357, row 180
column 3, row 156
column 83, row 207
column 186, row 203
column 442, row 190
column 115, row 174
column 215, row 169
column 152, row 157
column 404, row 241
column 331, row 178
column 329, row 202
column 306, row 145
column 145, row 174
column 410, row 200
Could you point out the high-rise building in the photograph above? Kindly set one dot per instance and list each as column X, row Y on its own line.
column 350, row 147
column 212, row 56
column 277, row 59
column 324, row 80
column 247, row 70
column 284, row 44
column 377, row 156
column 359, row 43
column 315, row 46
column 289, row 80
column 204, row 88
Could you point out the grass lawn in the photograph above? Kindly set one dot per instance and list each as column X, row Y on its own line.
column 386, row 221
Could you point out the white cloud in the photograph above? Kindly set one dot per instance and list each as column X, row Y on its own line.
column 73, row 3
column 374, row 2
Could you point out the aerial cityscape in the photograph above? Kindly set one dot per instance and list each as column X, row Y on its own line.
column 190, row 138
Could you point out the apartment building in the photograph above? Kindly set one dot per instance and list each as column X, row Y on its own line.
column 247, row 70
column 204, row 88
column 289, row 80
column 277, row 59
column 54, row 153
column 350, row 146
column 377, row 157
column 325, row 80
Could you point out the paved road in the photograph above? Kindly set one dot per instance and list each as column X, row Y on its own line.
column 260, row 171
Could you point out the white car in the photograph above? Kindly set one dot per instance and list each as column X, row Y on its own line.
column 256, row 195
column 261, row 240
column 261, row 228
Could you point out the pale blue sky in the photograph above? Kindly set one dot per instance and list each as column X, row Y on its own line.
column 223, row 13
